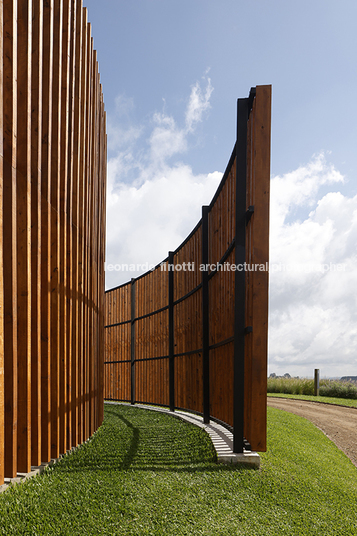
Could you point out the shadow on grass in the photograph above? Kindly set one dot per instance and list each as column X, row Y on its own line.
column 136, row 440
column 134, row 444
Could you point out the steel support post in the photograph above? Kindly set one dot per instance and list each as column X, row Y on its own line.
column 132, row 374
column 171, row 332
column 205, row 317
column 239, row 314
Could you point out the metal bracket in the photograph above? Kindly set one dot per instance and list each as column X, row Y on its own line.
column 246, row 444
column 248, row 329
column 249, row 213
column 252, row 94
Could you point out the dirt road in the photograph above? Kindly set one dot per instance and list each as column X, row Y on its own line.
column 337, row 422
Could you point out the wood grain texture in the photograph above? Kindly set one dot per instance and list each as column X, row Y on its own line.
column 36, row 145
column 257, row 289
column 9, row 234
column 46, row 127
column 52, row 232
column 23, row 238
column 2, row 393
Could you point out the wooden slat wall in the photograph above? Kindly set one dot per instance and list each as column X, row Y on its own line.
column 188, row 325
column 151, row 376
column 151, row 335
column 52, row 231
column 221, row 231
column 117, row 345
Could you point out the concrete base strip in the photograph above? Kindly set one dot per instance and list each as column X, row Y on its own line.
column 21, row 477
column 221, row 438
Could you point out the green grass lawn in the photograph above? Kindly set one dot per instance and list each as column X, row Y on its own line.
column 145, row 473
column 325, row 399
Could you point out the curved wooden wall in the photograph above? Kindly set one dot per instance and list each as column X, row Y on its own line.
column 195, row 339
column 53, row 185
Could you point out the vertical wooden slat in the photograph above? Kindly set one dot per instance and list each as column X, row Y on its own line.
column 46, row 151
column 91, row 244
column 87, row 179
column 23, row 167
column 77, row 125
column 69, row 209
column 2, row 394
column 101, row 260
column 55, row 229
column 81, row 223
column 259, row 292
column 63, row 193
column 36, row 143
column 9, row 236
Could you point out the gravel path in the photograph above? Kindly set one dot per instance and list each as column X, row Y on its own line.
column 337, row 422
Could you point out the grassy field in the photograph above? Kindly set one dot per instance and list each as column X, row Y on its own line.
column 145, row 473
column 305, row 386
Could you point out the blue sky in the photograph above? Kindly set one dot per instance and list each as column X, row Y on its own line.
column 172, row 71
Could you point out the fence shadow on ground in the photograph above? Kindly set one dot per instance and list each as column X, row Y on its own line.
column 136, row 440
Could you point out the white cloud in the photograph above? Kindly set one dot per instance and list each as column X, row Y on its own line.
column 154, row 201
column 198, row 104
column 166, row 139
column 146, row 221
column 313, row 313
column 153, row 204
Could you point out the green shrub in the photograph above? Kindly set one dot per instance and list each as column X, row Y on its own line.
column 292, row 386
column 338, row 389
column 305, row 386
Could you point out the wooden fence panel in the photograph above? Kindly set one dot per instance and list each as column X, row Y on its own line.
column 151, row 336
column 186, row 345
column 117, row 363
column 52, row 229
